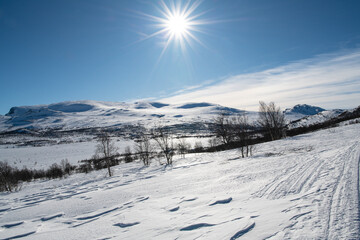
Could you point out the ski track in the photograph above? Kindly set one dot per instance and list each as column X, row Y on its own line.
column 338, row 170
column 340, row 200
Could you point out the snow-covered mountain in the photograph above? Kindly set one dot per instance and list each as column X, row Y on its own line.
column 77, row 115
column 92, row 114
column 302, row 110
column 315, row 119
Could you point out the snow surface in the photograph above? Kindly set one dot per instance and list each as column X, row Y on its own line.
column 42, row 157
column 304, row 187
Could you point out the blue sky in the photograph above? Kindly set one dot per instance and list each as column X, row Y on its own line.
column 52, row 51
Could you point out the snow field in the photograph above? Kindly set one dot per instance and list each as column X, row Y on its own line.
column 44, row 156
column 304, row 187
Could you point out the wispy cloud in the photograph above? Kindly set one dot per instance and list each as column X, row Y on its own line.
column 329, row 81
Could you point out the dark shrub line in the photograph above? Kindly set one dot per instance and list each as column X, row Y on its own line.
column 12, row 177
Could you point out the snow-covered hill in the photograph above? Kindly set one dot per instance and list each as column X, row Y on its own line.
column 304, row 187
column 315, row 119
column 301, row 110
column 92, row 114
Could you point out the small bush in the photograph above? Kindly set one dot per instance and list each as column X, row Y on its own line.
column 24, row 174
column 8, row 181
column 55, row 171
column 98, row 164
column 85, row 168
column 128, row 155
column 67, row 167
column 198, row 147
column 38, row 174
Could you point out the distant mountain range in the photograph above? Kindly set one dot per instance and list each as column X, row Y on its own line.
column 94, row 114
column 74, row 115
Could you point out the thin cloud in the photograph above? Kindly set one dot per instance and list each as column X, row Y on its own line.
column 329, row 81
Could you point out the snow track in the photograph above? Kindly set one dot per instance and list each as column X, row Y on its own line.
column 327, row 179
column 344, row 206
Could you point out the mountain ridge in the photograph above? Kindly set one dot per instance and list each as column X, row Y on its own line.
column 85, row 114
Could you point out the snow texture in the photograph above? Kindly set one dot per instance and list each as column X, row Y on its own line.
column 303, row 187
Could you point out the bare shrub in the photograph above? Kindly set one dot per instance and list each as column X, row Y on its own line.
column 127, row 155
column 39, row 173
column 183, row 147
column 222, row 128
column 272, row 119
column 165, row 143
column 213, row 142
column 198, row 147
column 24, row 174
column 106, row 150
column 67, row 167
column 241, row 128
column 85, row 167
column 143, row 147
column 252, row 149
column 55, row 171
column 8, row 182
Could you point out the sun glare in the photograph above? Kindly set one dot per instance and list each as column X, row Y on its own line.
column 177, row 23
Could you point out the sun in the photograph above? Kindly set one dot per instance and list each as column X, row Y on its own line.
column 177, row 26
column 177, row 23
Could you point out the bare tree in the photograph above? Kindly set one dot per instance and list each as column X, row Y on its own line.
column 213, row 142
column 198, row 147
column 144, row 147
column 183, row 147
column 106, row 150
column 252, row 148
column 165, row 142
column 67, row 168
column 127, row 155
column 7, row 181
column 272, row 119
column 222, row 128
column 241, row 127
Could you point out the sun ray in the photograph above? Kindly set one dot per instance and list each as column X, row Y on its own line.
column 177, row 23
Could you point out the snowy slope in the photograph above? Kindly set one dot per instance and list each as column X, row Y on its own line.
column 314, row 119
column 304, row 187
